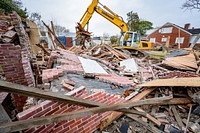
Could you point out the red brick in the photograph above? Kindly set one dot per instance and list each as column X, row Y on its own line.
column 39, row 129
column 86, row 130
column 52, row 111
column 28, row 113
column 61, row 110
column 29, row 130
column 75, row 124
column 85, row 118
column 48, row 104
column 56, row 105
column 41, row 113
column 83, row 123
column 72, row 130
column 69, row 123
column 47, row 129
column 65, row 130
column 79, row 130
column 89, row 123
column 57, row 129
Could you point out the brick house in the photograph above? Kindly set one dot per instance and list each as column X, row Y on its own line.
column 169, row 34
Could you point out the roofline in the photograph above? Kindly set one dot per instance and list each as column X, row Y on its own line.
column 179, row 28
column 174, row 26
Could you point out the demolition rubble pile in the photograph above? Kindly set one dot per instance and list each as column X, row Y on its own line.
column 95, row 89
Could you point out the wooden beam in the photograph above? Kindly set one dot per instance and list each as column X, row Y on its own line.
column 54, row 44
column 177, row 117
column 45, row 51
column 24, row 124
column 184, row 82
column 109, row 119
column 154, row 120
column 148, row 126
column 62, row 45
column 34, row 92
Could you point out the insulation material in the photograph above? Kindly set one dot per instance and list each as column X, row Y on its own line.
column 130, row 65
column 91, row 66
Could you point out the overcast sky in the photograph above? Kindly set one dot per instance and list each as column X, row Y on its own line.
column 68, row 12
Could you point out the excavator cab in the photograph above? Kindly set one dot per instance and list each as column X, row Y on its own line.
column 129, row 39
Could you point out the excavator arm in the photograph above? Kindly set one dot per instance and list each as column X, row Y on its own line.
column 105, row 12
column 130, row 39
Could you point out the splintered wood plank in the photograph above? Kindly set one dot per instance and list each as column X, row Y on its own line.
column 184, row 82
column 177, row 117
column 157, row 122
column 114, row 115
column 148, row 126
column 187, row 62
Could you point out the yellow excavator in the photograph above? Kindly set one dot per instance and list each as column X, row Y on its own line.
column 128, row 39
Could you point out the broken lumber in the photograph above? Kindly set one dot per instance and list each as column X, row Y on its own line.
column 177, row 117
column 34, row 92
column 182, row 82
column 154, row 120
column 62, row 45
column 187, row 62
column 114, row 115
column 43, row 49
column 24, row 124
column 148, row 126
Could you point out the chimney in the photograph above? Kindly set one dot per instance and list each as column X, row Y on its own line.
column 187, row 26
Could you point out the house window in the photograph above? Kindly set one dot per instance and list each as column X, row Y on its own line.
column 164, row 39
column 153, row 40
column 166, row 30
column 181, row 40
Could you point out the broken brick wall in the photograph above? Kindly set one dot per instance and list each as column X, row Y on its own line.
column 15, row 57
column 79, row 125
column 15, row 69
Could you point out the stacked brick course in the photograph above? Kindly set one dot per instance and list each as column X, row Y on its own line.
column 114, row 79
column 176, row 74
column 15, row 59
column 79, row 125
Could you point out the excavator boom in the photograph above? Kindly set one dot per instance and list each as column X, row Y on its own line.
column 106, row 13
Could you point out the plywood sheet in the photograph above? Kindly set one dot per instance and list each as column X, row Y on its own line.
column 187, row 62
column 184, row 82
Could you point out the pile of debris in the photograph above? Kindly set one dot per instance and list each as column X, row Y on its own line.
column 179, row 81
column 95, row 89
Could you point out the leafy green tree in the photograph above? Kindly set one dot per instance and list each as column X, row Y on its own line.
column 132, row 19
column 136, row 24
column 7, row 6
column 191, row 4
column 114, row 39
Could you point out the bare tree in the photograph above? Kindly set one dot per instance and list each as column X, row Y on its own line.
column 36, row 17
column 60, row 30
column 18, row 3
column 191, row 4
